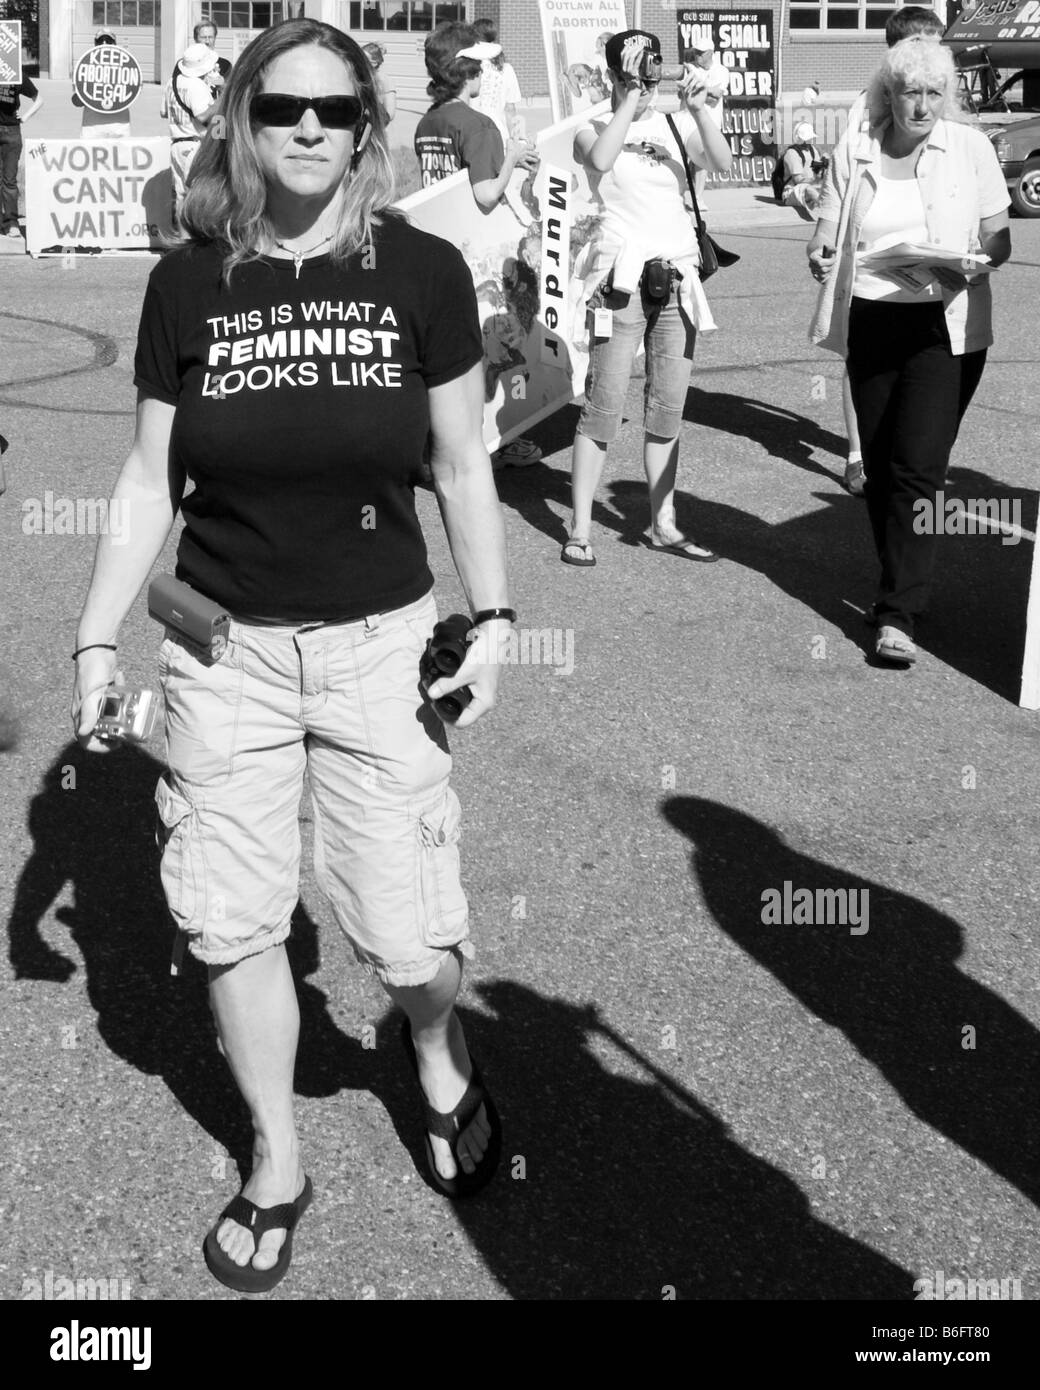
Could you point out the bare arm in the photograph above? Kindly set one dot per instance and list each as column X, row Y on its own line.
column 146, row 496
column 488, row 191
column 30, row 110
column 694, row 93
column 472, row 518
column 995, row 237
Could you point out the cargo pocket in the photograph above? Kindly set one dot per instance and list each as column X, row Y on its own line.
column 443, row 913
column 182, row 868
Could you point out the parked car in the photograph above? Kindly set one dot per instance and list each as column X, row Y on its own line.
column 1018, row 149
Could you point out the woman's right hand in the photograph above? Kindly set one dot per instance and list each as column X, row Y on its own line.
column 821, row 263
column 95, row 672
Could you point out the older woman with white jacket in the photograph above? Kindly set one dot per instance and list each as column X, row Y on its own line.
column 915, row 347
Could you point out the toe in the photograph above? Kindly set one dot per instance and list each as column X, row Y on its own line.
column 270, row 1245
column 442, row 1158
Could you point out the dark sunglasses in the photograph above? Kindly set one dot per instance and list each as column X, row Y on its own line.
column 334, row 113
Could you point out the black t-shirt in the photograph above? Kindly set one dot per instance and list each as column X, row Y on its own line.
column 302, row 417
column 452, row 137
column 10, row 96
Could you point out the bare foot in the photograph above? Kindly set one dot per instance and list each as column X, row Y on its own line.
column 444, row 1074
column 269, row 1185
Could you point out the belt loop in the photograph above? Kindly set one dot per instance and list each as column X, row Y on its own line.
column 371, row 625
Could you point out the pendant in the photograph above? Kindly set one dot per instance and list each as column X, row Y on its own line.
column 298, row 261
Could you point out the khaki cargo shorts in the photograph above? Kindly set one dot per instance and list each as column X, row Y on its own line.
column 340, row 702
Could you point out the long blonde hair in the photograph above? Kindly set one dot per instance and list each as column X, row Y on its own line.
column 226, row 201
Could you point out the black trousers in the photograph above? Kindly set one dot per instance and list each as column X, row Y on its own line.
column 910, row 394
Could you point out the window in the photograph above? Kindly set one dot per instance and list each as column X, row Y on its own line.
column 124, row 14
column 419, row 16
column 243, row 14
column 840, row 16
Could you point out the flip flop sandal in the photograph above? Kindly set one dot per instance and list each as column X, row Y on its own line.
column 894, row 645
column 258, row 1221
column 451, row 1126
column 681, row 547
column 581, row 553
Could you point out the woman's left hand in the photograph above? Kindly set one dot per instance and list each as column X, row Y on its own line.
column 949, row 279
column 693, row 88
column 480, row 671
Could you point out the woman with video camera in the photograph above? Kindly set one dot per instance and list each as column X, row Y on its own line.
column 292, row 359
column 652, row 291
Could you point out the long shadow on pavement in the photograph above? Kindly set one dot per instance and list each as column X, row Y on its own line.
column 896, row 991
column 631, row 1186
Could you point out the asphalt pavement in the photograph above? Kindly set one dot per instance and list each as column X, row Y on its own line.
column 694, row 1099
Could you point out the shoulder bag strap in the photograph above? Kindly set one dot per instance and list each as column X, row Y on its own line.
column 689, row 175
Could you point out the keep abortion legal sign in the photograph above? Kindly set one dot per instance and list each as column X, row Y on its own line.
column 104, row 194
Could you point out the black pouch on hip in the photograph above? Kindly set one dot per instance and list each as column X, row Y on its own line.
column 657, row 280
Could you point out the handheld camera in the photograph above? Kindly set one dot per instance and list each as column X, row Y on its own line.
column 445, row 652
column 652, row 70
column 126, row 716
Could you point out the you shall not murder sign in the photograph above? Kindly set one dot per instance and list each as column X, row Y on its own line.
column 104, row 194
column 10, row 52
column 743, row 40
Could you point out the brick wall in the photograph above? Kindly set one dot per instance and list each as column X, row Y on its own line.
column 842, row 64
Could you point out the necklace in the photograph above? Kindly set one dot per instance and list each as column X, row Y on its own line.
column 299, row 255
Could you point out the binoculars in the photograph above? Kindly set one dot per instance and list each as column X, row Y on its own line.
column 445, row 652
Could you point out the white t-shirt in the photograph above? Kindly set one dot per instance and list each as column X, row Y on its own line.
column 644, row 195
column 196, row 95
column 499, row 88
column 896, row 214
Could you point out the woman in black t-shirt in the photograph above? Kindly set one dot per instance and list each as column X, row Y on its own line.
column 292, row 359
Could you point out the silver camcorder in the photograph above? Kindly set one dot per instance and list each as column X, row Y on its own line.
column 198, row 622
column 126, row 716
column 653, row 70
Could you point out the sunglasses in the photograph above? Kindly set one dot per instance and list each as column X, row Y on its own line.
column 278, row 109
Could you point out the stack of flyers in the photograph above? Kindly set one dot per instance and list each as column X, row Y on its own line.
column 911, row 264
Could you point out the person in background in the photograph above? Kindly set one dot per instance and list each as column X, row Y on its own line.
column 376, row 55
column 811, row 94
column 803, row 172
column 12, row 117
column 189, row 105
column 102, row 125
column 915, row 353
column 452, row 136
column 907, row 22
column 206, row 33
column 649, row 287
column 499, row 95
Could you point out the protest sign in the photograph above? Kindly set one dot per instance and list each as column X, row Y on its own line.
column 109, row 195
column 528, row 258
column 107, row 79
column 743, row 40
column 574, row 33
column 10, row 52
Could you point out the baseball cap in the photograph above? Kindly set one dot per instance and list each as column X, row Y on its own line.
column 700, row 46
column 804, row 132
column 635, row 38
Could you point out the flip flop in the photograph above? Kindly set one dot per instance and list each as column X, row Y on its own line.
column 584, row 557
column 450, row 1127
column 895, row 645
column 681, row 547
column 258, row 1221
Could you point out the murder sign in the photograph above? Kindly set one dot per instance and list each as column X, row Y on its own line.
column 96, row 194
column 743, row 43
column 107, row 79
column 10, row 52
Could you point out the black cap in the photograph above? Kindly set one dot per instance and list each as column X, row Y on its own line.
column 636, row 38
